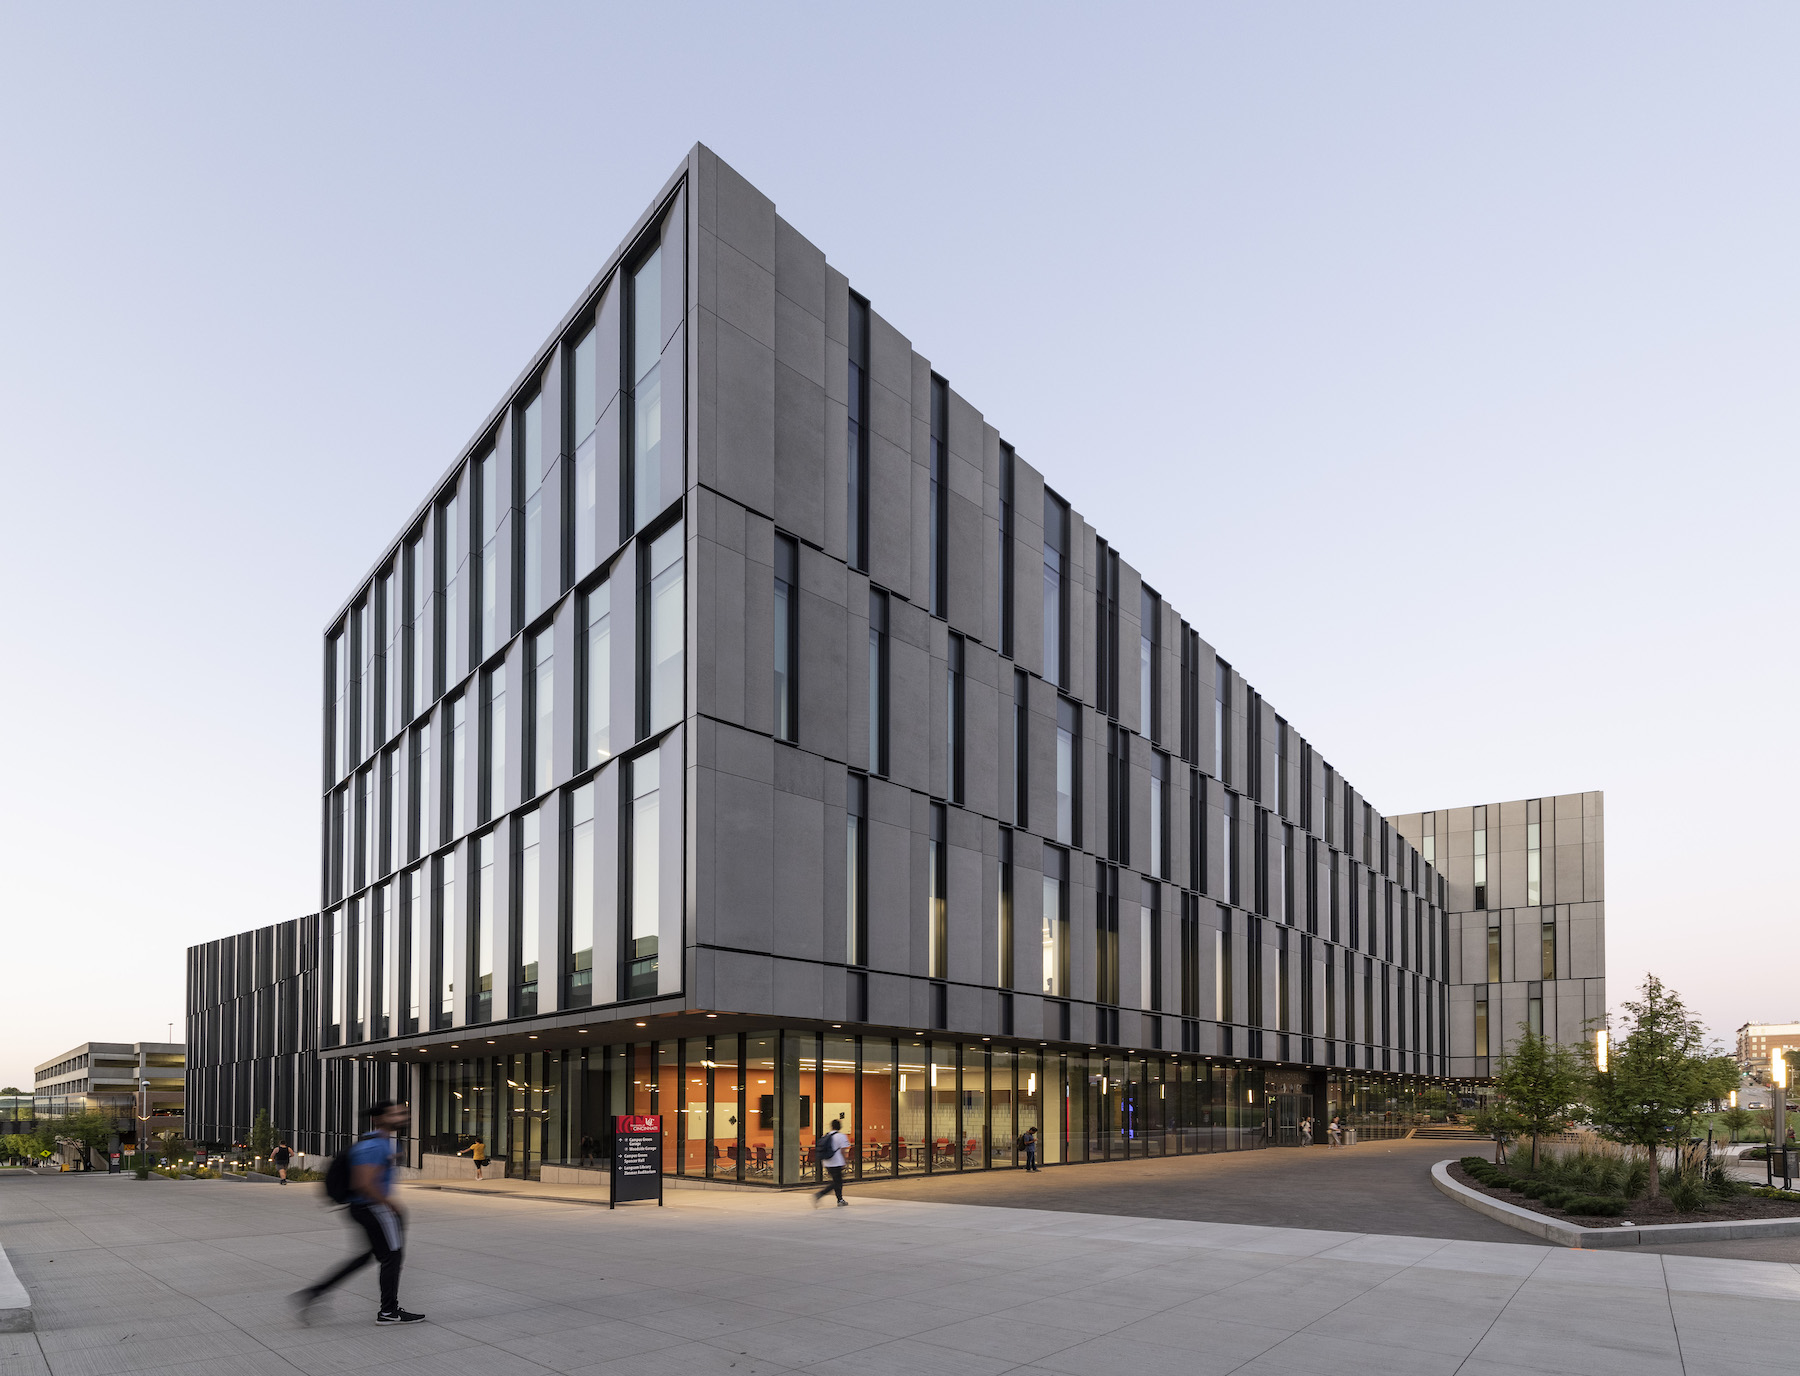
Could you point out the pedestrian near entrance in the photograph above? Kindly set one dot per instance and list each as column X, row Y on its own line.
column 1334, row 1133
column 374, row 1209
column 281, row 1156
column 1030, row 1143
column 476, row 1151
column 1306, row 1131
column 831, row 1156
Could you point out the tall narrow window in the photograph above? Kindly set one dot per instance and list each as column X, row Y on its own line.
column 1056, row 922
column 1368, row 1001
column 456, row 758
column 419, row 829
column 1118, row 794
column 337, row 651
column 1159, row 814
column 581, row 863
column 1197, row 875
column 417, row 901
column 1285, row 871
column 582, row 392
column 1021, row 810
column 1481, row 1026
column 644, row 860
column 1150, row 665
column 787, row 639
column 491, row 495
column 1106, row 629
column 452, row 659
column 937, row 881
column 1331, row 1014
column 1222, row 974
column 1547, row 945
column 1283, row 984
column 418, row 601
column 1534, row 855
column 939, row 514
column 1106, row 935
column 531, row 491
column 391, row 856
column 856, row 872
column 482, row 914
column 1493, row 955
column 1281, row 766
column 1003, row 917
column 1428, row 841
column 1221, row 721
column 1056, row 574
column 443, row 923
column 493, row 743
column 953, row 718
column 526, row 918
column 1481, row 848
column 391, row 667
column 1150, row 947
column 644, row 373
column 1228, row 851
column 1190, row 956
column 1068, row 772
column 878, row 682
column 596, row 667
column 1006, row 548
column 856, row 455
column 663, row 619
column 542, row 712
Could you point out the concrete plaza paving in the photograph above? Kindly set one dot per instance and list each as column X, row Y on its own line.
column 192, row 1278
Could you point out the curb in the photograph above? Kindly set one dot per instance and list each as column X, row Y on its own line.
column 1569, row 1235
column 15, row 1304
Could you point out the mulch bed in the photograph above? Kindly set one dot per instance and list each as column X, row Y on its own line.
column 1643, row 1212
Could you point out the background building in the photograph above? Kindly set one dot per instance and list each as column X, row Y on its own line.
column 1758, row 1041
column 742, row 730
column 1525, row 892
column 140, row 1085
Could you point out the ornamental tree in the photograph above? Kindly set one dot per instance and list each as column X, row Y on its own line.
column 1660, row 1074
column 1539, row 1082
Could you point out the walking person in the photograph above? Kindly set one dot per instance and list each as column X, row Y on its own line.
column 280, row 1157
column 374, row 1209
column 476, row 1151
column 830, row 1148
column 1334, row 1133
column 1306, row 1131
column 1030, row 1143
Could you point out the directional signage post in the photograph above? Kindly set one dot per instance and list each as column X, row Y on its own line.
column 637, row 1158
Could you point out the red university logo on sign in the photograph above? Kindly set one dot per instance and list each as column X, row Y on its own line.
column 640, row 1122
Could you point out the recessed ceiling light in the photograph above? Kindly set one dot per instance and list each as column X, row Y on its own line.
column 532, row 1035
column 490, row 1041
column 640, row 1024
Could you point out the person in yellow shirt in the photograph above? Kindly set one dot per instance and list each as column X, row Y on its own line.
column 476, row 1151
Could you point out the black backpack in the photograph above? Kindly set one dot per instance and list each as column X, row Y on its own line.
column 337, row 1177
column 825, row 1147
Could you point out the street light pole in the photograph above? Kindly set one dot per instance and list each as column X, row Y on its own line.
column 1778, row 1105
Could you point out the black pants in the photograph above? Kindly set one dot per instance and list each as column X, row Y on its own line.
column 1031, row 1160
column 837, row 1183
column 387, row 1245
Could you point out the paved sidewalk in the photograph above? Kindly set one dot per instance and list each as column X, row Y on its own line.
column 190, row 1279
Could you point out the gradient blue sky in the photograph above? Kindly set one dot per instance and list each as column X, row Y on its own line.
column 1460, row 342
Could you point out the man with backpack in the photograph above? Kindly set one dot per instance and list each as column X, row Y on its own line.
column 830, row 1151
column 363, row 1178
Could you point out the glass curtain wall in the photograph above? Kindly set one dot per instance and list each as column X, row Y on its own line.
column 748, row 1107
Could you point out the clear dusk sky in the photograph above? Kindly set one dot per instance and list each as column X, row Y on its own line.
column 1459, row 342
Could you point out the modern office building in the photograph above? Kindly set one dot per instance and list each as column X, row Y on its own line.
column 133, row 1082
column 1525, row 893
column 1757, row 1043
column 743, row 730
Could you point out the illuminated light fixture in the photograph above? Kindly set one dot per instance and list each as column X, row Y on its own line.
column 640, row 1024
column 902, row 1082
column 1778, row 1068
column 934, row 1077
column 582, row 1030
column 837, row 1024
column 1733, row 1103
column 712, row 1015
column 1031, row 1083
column 532, row 1035
column 1601, row 1039
column 490, row 1041
column 455, row 1045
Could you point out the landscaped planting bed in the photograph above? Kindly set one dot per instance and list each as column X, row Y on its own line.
column 1593, row 1189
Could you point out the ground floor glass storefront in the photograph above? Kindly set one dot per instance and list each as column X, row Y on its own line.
column 748, row 1106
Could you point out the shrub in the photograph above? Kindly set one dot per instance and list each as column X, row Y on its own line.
column 1687, row 1193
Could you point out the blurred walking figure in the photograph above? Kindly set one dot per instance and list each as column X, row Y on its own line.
column 1334, row 1133
column 281, row 1156
column 830, row 1149
column 367, row 1186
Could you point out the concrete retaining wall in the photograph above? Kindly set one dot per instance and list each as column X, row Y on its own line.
column 1565, row 1234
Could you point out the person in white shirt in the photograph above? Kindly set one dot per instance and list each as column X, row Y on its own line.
column 830, row 1149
